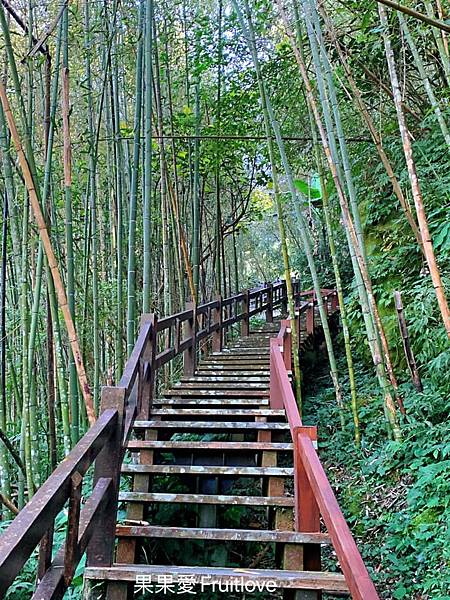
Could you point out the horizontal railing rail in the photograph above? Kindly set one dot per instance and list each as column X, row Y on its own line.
column 314, row 496
column 103, row 446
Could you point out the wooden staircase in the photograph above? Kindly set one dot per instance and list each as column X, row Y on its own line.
column 223, row 488
column 215, row 436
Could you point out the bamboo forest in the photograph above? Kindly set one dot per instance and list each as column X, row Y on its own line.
column 224, row 299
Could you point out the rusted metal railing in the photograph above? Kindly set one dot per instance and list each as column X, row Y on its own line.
column 314, row 496
column 91, row 525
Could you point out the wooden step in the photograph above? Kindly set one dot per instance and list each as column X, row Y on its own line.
column 211, row 393
column 211, row 425
column 234, row 535
column 306, row 580
column 229, row 373
column 171, row 446
column 208, row 470
column 238, row 361
column 234, row 368
column 219, row 412
column 212, row 401
column 229, row 385
column 149, row 497
column 251, row 380
column 243, row 351
column 238, row 357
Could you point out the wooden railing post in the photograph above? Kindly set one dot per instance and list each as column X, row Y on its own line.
column 334, row 302
column 190, row 354
column 108, row 463
column 310, row 317
column 276, row 399
column 45, row 553
column 307, row 514
column 295, row 289
column 284, row 299
column 73, row 527
column 269, row 310
column 287, row 344
column 245, row 323
column 146, row 383
column 216, row 342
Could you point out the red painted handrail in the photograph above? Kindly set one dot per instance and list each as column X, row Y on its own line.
column 313, row 493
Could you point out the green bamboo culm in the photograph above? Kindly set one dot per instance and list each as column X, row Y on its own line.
column 5, row 472
column 92, row 195
column 131, row 271
column 120, row 194
column 424, row 77
column 339, row 288
column 249, row 35
column 195, row 253
column 70, row 261
column 318, row 47
column 306, row 244
column 148, row 52
column 334, row 259
column 327, row 136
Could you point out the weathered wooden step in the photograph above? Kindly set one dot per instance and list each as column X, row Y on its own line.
column 221, row 412
column 149, row 497
column 243, row 351
column 208, row 470
column 238, row 357
column 136, row 445
column 214, row 393
column 207, row 576
column 251, row 380
column 213, row 401
column 232, row 385
column 208, row 372
column 210, row 425
column 235, row 535
column 232, row 367
column 236, row 360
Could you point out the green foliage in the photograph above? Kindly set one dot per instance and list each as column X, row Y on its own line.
column 395, row 495
column 310, row 190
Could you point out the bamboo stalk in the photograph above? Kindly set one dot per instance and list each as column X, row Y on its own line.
column 248, row 32
column 70, row 261
column 131, row 270
column 429, row 20
column 409, row 354
column 52, row 262
column 372, row 128
column 148, row 51
column 317, row 44
column 389, row 407
column 414, row 180
column 425, row 79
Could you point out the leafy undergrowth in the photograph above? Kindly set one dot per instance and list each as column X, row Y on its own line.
column 395, row 496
